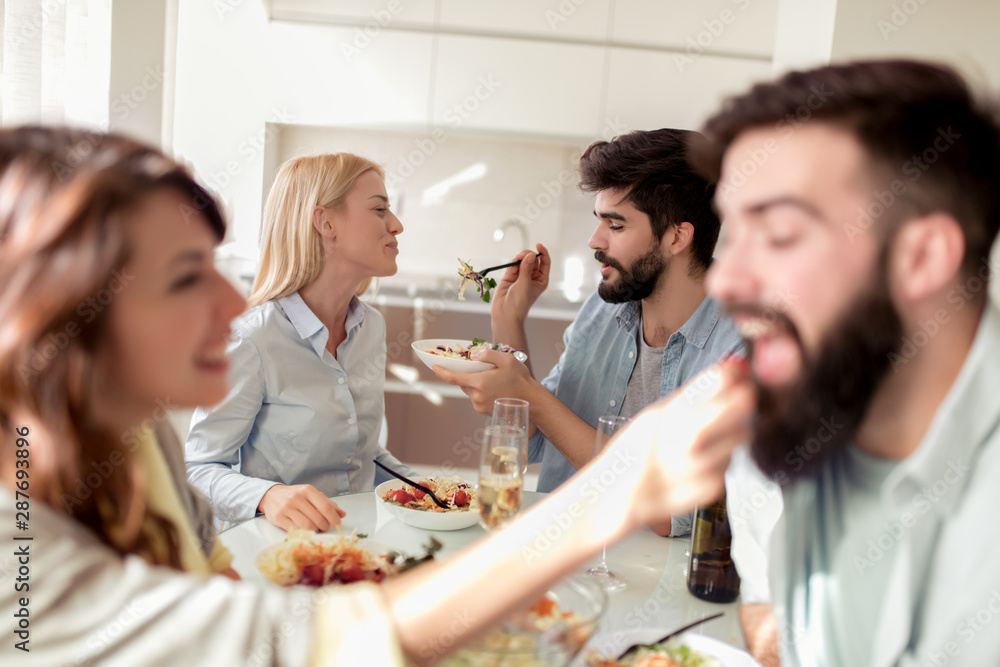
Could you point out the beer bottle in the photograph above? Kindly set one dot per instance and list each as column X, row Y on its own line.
column 712, row 575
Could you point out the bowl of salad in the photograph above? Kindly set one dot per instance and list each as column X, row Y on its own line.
column 551, row 631
column 415, row 508
column 453, row 353
column 688, row 650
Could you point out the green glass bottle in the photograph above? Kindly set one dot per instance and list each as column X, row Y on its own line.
column 712, row 576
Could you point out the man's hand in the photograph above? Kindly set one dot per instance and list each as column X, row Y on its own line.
column 300, row 506
column 686, row 440
column 510, row 379
column 515, row 293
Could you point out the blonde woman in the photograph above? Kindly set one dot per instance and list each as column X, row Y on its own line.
column 304, row 412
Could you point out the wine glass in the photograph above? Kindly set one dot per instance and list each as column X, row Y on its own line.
column 513, row 412
column 607, row 426
column 501, row 474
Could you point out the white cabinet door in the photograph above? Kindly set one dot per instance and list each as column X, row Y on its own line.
column 739, row 27
column 551, row 19
column 518, row 85
column 649, row 90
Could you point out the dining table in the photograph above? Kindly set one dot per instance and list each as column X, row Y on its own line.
column 654, row 568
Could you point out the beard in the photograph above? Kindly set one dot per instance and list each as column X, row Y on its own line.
column 799, row 427
column 637, row 281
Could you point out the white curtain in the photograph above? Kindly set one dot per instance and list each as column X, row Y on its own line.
column 53, row 57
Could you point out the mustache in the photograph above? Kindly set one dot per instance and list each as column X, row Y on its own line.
column 604, row 259
column 771, row 316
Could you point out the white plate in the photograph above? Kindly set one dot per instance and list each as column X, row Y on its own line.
column 268, row 552
column 422, row 519
column 457, row 365
column 616, row 642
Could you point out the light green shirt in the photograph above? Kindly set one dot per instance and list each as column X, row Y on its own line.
column 896, row 565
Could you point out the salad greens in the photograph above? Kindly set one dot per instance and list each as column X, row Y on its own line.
column 483, row 284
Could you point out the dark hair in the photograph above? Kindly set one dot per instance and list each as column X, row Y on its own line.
column 65, row 199
column 907, row 115
column 653, row 167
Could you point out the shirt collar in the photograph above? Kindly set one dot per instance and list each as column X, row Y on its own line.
column 701, row 324
column 696, row 330
column 942, row 463
column 310, row 328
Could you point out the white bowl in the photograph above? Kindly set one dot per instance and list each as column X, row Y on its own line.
column 615, row 643
column 457, row 365
column 422, row 519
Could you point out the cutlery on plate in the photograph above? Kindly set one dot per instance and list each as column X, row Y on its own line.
column 409, row 481
column 676, row 632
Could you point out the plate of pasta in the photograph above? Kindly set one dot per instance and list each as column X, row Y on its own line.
column 415, row 508
column 308, row 558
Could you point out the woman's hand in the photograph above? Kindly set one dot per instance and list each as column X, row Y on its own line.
column 685, row 441
column 299, row 506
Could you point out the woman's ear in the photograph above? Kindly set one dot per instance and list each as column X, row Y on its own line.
column 321, row 221
column 926, row 256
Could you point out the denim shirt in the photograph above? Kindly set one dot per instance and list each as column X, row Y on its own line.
column 295, row 414
column 593, row 372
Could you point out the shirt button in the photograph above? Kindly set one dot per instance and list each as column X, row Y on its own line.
column 350, row 420
column 612, row 404
column 340, row 380
column 631, row 354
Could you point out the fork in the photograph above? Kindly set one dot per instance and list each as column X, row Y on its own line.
column 409, row 481
column 503, row 266
column 672, row 634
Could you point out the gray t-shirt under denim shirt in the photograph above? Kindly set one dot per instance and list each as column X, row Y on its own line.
column 643, row 389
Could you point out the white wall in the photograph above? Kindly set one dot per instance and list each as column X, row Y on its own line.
column 960, row 32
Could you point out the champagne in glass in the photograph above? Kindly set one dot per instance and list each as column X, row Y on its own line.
column 607, row 426
column 513, row 412
column 501, row 474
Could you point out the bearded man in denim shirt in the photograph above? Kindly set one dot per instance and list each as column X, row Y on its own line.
column 649, row 327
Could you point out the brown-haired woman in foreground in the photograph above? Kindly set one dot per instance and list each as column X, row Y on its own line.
column 110, row 308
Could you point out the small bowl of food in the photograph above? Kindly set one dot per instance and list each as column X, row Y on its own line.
column 552, row 631
column 415, row 508
column 453, row 353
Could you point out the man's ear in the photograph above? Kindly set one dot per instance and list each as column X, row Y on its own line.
column 679, row 236
column 321, row 222
column 926, row 256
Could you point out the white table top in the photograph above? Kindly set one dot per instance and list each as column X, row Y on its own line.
column 653, row 566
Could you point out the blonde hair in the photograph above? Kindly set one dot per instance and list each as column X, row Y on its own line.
column 291, row 251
